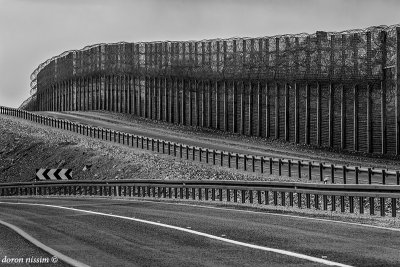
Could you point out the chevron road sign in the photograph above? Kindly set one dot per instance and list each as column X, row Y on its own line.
column 53, row 174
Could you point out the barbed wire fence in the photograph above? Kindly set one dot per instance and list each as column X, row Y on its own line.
column 365, row 58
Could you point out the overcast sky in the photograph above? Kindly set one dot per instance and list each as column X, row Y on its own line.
column 35, row 30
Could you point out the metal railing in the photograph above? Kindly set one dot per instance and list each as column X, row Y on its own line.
column 310, row 170
column 378, row 199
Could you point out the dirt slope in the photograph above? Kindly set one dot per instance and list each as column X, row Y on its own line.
column 26, row 146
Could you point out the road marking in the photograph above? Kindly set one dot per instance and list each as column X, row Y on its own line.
column 226, row 240
column 42, row 246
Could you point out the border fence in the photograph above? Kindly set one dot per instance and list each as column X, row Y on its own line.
column 329, row 89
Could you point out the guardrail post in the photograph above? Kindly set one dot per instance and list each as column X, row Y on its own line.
column 187, row 152
column 344, row 174
column 258, row 196
column 280, row 167
column 369, row 176
column 275, row 198
column 351, row 204
column 332, row 173
column 308, row 201
column 316, row 201
column 200, row 150
column 194, row 154
column 180, row 150
column 243, row 196
column 266, row 197
column 235, row 195
column 174, row 149
column 371, row 206
column 342, row 204
column 206, row 193
column 245, row 162
column 222, row 158
column 290, row 168
column 325, row 202
column 356, row 171
column 169, row 148
column 229, row 159
column 382, row 206
column 271, row 163
column 361, row 204
column 194, row 193
column 321, row 172
column 299, row 168
column 398, row 177
column 158, row 146
column 200, row 193
column 237, row 161
column 383, row 177
column 253, row 162
column 394, row 207
column 213, row 156
column 213, row 194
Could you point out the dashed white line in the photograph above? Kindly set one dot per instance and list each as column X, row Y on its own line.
column 226, row 240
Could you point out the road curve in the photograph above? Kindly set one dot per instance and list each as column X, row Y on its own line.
column 105, row 232
column 214, row 141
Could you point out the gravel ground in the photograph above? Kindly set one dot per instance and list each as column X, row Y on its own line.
column 26, row 146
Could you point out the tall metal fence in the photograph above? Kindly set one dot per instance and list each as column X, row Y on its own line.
column 329, row 89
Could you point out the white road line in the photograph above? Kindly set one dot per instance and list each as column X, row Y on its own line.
column 42, row 246
column 279, row 251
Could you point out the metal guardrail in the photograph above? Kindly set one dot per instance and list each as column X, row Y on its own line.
column 334, row 197
column 264, row 165
column 250, row 163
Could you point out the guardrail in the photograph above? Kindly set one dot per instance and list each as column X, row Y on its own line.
column 265, row 165
column 343, row 198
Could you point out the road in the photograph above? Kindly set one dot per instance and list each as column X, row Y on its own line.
column 106, row 232
column 214, row 141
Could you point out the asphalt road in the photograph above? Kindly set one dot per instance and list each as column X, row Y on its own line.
column 105, row 232
column 14, row 248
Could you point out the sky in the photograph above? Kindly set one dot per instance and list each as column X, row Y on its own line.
column 31, row 31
